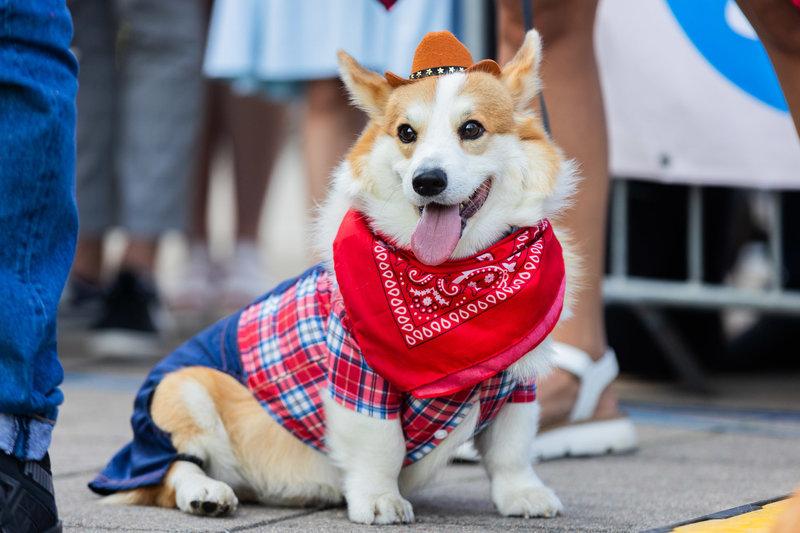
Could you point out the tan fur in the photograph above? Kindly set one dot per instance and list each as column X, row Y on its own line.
column 359, row 154
column 372, row 89
column 491, row 105
column 521, row 74
column 266, row 448
column 539, row 148
column 421, row 93
column 530, row 129
column 573, row 265
column 156, row 495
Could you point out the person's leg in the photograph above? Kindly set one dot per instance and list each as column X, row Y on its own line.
column 777, row 23
column 575, row 107
column 94, row 41
column 210, row 134
column 194, row 290
column 257, row 127
column 330, row 127
column 38, row 216
column 88, row 266
column 38, row 230
column 160, row 89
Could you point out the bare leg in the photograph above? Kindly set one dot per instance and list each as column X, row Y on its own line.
column 777, row 23
column 88, row 262
column 330, row 128
column 575, row 107
column 208, row 140
column 194, row 290
column 256, row 127
column 140, row 255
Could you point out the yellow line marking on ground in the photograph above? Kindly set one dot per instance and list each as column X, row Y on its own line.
column 759, row 521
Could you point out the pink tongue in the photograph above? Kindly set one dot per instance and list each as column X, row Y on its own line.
column 436, row 234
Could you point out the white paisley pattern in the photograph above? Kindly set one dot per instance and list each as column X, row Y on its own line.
column 426, row 304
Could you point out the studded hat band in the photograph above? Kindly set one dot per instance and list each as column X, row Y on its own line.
column 438, row 71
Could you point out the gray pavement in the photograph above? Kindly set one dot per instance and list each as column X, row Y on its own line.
column 698, row 455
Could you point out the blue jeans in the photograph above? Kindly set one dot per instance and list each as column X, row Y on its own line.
column 38, row 217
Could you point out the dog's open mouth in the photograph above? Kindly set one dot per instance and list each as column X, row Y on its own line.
column 439, row 228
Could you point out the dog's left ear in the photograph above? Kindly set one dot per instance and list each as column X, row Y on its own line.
column 368, row 90
column 521, row 74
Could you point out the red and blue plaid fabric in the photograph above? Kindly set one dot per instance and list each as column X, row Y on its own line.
column 296, row 342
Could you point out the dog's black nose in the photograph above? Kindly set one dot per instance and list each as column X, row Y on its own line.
column 429, row 182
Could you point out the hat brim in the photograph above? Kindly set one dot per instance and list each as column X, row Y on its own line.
column 486, row 65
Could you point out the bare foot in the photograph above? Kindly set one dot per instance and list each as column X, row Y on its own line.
column 557, row 394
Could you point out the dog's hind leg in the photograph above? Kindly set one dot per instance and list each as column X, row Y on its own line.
column 186, row 405
column 183, row 405
column 244, row 452
column 214, row 420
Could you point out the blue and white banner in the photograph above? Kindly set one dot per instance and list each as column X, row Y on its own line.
column 691, row 96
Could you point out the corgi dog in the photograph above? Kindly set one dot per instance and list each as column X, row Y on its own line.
column 437, row 221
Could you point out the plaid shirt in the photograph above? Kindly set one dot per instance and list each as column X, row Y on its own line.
column 297, row 341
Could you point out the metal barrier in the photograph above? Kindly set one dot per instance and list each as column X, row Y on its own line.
column 646, row 296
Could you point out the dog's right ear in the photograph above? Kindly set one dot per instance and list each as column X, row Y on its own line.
column 368, row 90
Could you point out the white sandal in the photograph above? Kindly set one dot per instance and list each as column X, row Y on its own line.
column 582, row 436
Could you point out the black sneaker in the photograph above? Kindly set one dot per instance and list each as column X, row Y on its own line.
column 132, row 314
column 27, row 498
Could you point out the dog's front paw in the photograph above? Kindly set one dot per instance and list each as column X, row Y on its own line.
column 529, row 502
column 387, row 508
column 206, row 497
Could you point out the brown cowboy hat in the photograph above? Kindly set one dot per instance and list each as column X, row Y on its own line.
column 439, row 53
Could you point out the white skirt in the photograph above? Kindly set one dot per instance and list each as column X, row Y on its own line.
column 265, row 41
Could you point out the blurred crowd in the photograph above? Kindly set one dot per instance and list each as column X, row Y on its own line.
column 169, row 88
column 166, row 89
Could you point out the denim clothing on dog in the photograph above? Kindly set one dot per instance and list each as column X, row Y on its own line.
column 286, row 347
column 145, row 460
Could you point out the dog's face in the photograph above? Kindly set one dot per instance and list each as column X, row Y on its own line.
column 449, row 164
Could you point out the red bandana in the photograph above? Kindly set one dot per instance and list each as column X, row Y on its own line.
column 435, row 330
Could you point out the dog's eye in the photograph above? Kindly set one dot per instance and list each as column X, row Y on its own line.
column 406, row 133
column 471, row 129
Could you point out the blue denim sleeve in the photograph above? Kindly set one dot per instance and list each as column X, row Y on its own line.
column 38, row 217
